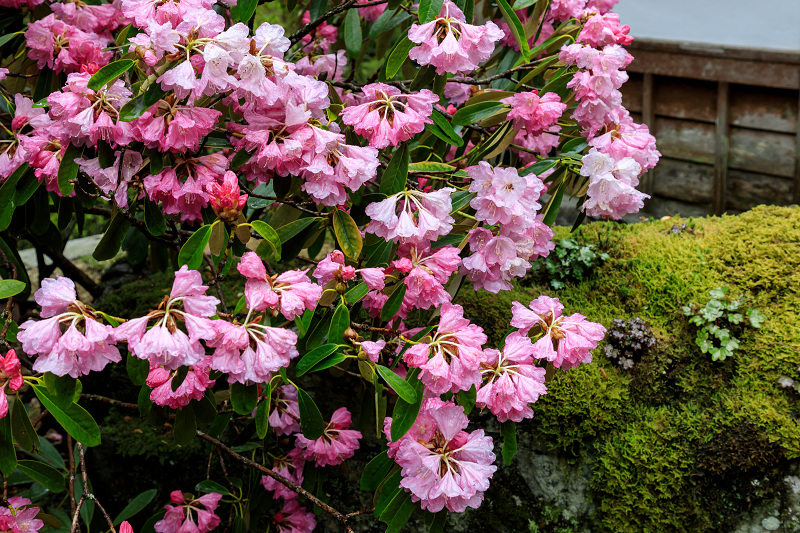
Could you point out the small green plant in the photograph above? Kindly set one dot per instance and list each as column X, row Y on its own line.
column 719, row 319
column 571, row 261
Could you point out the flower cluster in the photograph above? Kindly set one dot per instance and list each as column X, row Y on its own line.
column 190, row 515
column 20, row 516
column 535, row 117
column 11, row 375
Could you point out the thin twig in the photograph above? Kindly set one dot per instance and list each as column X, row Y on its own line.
column 88, row 494
column 291, row 485
column 311, row 26
column 527, row 66
column 110, row 401
column 72, row 505
column 296, row 205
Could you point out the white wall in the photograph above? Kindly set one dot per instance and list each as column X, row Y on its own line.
column 761, row 24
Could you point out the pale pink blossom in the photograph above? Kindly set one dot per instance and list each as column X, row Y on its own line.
column 190, row 516
column 62, row 47
column 193, row 386
column 373, row 349
column 426, row 272
column 533, row 113
column 333, row 267
column 294, row 518
column 422, row 218
column 289, row 466
column 284, row 415
column 603, row 30
column 371, row 13
column 335, row 445
column 20, row 516
column 289, row 293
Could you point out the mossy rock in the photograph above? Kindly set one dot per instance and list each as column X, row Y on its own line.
column 659, row 436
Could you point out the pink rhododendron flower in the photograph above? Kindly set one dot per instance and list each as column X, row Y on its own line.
column 62, row 47
column 458, row 93
column 11, row 375
column 503, row 196
column 289, row 293
column 450, row 361
column 566, row 340
column 294, row 518
column 174, row 128
column 533, row 113
column 423, row 217
column 195, row 515
column 562, row 10
column 226, row 199
column 289, row 466
column 20, row 516
column 371, row 13
column 85, row 346
column 331, row 64
column 333, row 267
column 125, row 527
column 87, row 17
column 426, row 272
column 335, row 445
column 387, row 116
column 611, row 192
column 164, row 344
column 114, row 181
column 510, row 380
column 443, row 466
column 193, row 387
column 373, row 349
column 451, row 44
column 284, row 415
column 603, row 30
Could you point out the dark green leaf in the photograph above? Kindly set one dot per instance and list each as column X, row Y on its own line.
column 376, row 471
column 355, row 294
column 138, row 369
column 429, row 10
column 209, row 486
column 347, row 234
column 352, row 32
column 109, row 73
column 270, row 236
column 110, row 243
column 476, row 112
column 334, row 360
column 262, row 413
column 21, row 427
column 443, row 129
column 439, row 521
column 575, row 145
column 244, row 398
column 136, row 107
column 27, row 185
column 393, row 303
column 460, row 199
column 555, row 205
column 309, row 360
column 8, row 456
column 466, row 399
column 154, row 218
column 10, row 287
column 405, row 413
column 240, row 158
column 317, row 8
column 247, row 9
column 74, row 419
column 311, row 423
column 136, row 505
column 287, row 231
column 5, row 38
column 394, row 177
column 8, row 195
column 143, row 401
column 191, row 253
column 44, row 85
column 509, row 432
column 122, row 36
column 398, row 384
column 68, row 169
column 424, row 78
column 44, row 474
column 398, row 56
column 302, row 322
column 516, row 27
column 61, row 389
column 388, row 490
column 339, row 323
column 185, row 427
column 402, row 515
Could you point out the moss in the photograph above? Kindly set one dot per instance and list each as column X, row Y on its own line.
column 663, row 433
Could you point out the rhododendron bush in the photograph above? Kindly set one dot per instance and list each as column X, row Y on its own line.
column 356, row 169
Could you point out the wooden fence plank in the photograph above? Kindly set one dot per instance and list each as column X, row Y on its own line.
column 681, row 180
column 687, row 140
column 748, row 189
column 763, row 152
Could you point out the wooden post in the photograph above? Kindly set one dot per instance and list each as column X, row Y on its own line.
column 649, row 118
column 722, row 149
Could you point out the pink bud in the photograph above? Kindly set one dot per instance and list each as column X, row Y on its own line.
column 125, row 527
column 176, row 497
column 19, row 121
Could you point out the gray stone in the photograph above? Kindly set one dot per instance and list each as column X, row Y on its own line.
column 771, row 523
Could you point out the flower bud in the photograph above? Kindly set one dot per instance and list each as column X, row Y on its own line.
column 350, row 335
column 226, row 199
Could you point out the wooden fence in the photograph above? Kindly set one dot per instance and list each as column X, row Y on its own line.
column 726, row 122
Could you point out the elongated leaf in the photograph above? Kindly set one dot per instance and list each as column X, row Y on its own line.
column 110, row 243
column 185, row 427
column 44, row 85
column 352, row 32
column 21, row 427
column 339, row 323
column 460, row 199
column 442, row 128
column 509, row 431
column 109, row 73
column 429, row 10
column 240, row 158
column 430, row 167
column 376, row 471
column 400, row 518
column 5, row 38
column 44, row 474
column 356, row 293
column 388, row 490
column 137, row 369
column 270, row 235
column 516, row 27
column 396, row 174
column 398, row 57
column 137, row 106
column 405, row 413
column 209, row 486
column 394, row 302
column 333, row 360
column 247, row 8
column 287, row 231
column 262, row 413
column 244, row 398
column 10, row 287
column 8, row 196
column 191, row 253
column 311, row 423
column 398, row 384
column 8, row 456
column 74, row 419
column 439, row 521
column 61, row 388
column 122, row 35
column 68, row 169
column 154, row 218
column 313, row 357
column 476, row 112
column 317, row 8
column 394, row 506
column 347, row 234
column 136, row 505
column 555, row 205
column 302, row 322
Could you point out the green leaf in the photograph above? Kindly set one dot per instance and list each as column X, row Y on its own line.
column 123, row 35
column 61, row 388
column 509, row 432
column 137, row 504
column 393, row 303
column 439, row 521
column 466, row 399
column 109, row 73
column 209, row 486
column 8, row 456
column 516, row 27
column 352, row 32
column 400, row 518
column 287, row 231
column 476, row 112
column 185, row 427
column 376, row 471
column 311, row 423
column 355, row 294
column 270, row 236
column 394, row 177
column 555, row 205
column 240, row 158
column 191, row 253
column 247, row 8
column 154, row 218
column 398, row 56
column 42, row 473
column 137, row 369
column 430, row 167
column 5, row 38
column 460, row 199
column 442, row 128
column 388, row 490
column 309, row 360
column 302, row 322
column 44, row 85
column 405, row 413
column 8, row 196
column 10, row 287
column 522, row 4
column 68, row 169
column 27, row 185
column 429, row 10
column 110, row 243
column 317, row 8
column 244, row 398
column 329, row 362
column 136, row 107
column 339, row 323
column 74, row 419
column 347, row 234
column 398, row 384
column 262, row 413
column 21, row 427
